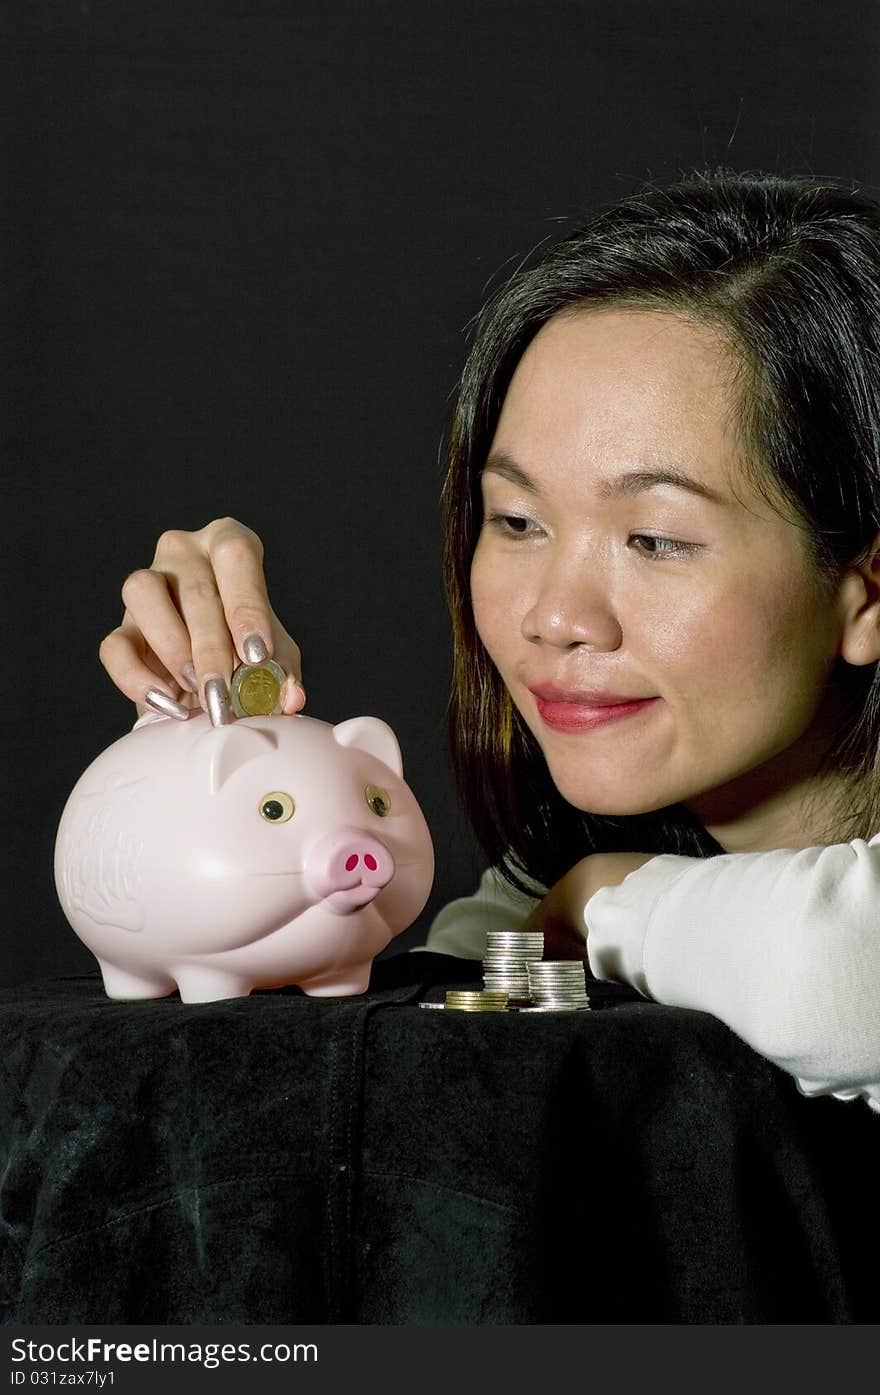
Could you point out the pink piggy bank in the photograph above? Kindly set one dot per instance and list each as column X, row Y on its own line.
column 274, row 850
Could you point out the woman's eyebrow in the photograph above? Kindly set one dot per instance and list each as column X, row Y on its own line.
column 625, row 485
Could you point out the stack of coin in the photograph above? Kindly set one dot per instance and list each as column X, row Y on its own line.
column 458, row 1000
column 505, row 963
column 557, row 985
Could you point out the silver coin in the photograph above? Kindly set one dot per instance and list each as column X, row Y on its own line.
column 523, row 934
column 554, row 974
column 544, row 1007
column 543, row 969
column 513, row 940
column 509, row 961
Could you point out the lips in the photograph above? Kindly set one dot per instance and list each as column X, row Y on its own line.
column 584, row 697
column 569, row 715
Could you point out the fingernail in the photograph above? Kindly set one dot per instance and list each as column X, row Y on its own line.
column 254, row 649
column 161, row 702
column 217, row 701
column 189, row 674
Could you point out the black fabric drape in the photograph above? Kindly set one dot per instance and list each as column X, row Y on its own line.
column 285, row 1159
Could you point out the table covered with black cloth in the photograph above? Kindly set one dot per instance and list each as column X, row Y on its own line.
column 286, row 1159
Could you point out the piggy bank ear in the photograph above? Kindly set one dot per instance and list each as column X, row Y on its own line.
column 373, row 735
column 224, row 749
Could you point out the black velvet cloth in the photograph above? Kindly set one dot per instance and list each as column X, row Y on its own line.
column 285, row 1159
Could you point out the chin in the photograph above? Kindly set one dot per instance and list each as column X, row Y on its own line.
column 616, row 803
column 614, row 806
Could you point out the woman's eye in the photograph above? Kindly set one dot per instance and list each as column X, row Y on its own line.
column 664, row 547
column 277, row 807
column 651, row 548
column 506, row 524
column 378, row 799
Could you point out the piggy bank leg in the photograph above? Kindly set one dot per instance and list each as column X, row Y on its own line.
column 122, row 983
column 354, row 978
column 202, row 983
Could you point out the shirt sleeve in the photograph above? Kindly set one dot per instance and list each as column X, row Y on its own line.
column 782, row 946
column 460, row 927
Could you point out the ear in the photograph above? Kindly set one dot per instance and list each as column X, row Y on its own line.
column 225, row 749
column 373, row 735
column 859, row 601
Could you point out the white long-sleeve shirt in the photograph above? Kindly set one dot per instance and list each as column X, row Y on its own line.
column 782, row 946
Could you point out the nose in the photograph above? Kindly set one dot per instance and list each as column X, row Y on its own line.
column 347, row 858
column 572, row 607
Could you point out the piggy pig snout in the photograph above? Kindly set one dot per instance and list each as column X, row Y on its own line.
column 348, row 860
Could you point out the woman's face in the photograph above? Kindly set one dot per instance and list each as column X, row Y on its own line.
column 723, row 625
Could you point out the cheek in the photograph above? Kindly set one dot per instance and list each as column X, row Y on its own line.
column 687, row 641
column 749, row 662
column 492, row 602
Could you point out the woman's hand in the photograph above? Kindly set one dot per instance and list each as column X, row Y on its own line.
column 561, row 913
column 198, row 611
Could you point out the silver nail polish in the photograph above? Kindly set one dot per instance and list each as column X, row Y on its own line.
column 217, row 701
column 254, row 649
column 189, row 673
column 161, row 702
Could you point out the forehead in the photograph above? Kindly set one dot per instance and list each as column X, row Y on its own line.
column 623, row 386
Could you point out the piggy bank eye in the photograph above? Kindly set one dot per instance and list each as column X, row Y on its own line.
column 277, row 807
column 378, row 799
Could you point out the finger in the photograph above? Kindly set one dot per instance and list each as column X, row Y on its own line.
column 122, row 652
column 294, row 698
column 561, row 941
column 202, row 612
column 155, row 664
column 237, row 563
column 287, row 652
column 151, row 607
column 185, row 697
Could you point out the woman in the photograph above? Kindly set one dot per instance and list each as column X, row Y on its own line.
column 662, row 512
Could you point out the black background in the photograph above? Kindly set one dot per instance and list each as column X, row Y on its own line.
column 243, row 243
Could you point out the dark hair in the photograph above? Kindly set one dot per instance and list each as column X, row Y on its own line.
column 788, row 271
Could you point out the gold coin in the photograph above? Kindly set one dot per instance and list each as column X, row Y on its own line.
column 256, row 689
column 486, row 1000
column 477, row 1007
column 469, row 993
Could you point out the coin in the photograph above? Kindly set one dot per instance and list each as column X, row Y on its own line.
column 557, row 984
column 562, row 1007
column 485, row 995
column 506, row 961
column 485, row 1007
column 256, row 689
column 529, row 938
column 475, row 1001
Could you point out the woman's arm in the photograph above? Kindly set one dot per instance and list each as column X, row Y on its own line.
column 782, row 946
column 561, row 912
column 460, row 927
